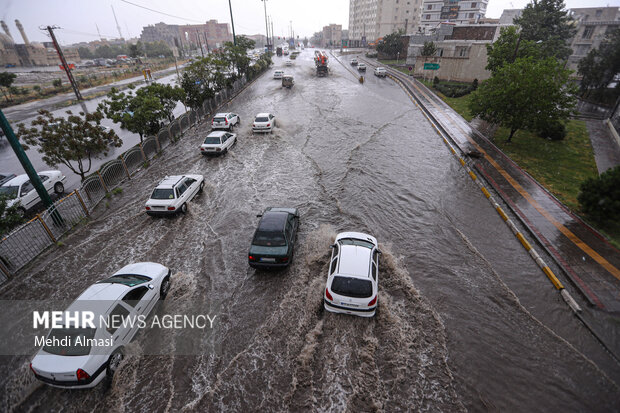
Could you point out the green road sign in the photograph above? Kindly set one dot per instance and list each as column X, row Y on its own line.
column 431, row 66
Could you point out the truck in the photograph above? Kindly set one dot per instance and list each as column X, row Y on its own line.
column 320, row 61
column 279, row 51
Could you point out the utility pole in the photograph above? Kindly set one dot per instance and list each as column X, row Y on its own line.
column 74, row 85
column 272, row 36
column 266, row 27
column 232, row 22
column 200, row 43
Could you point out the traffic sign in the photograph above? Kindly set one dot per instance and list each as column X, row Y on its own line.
column 410, row 68
column 431, row 66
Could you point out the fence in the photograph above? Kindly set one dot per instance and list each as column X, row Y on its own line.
column 25, row 243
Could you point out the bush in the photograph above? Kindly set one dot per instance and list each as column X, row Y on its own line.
column 435, row 81
column 600, row 197
column 553, row 130
column 57, row 83
column 372, row 55
column 474, row 85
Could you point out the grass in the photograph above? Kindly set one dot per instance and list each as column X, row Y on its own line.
column 560, row 166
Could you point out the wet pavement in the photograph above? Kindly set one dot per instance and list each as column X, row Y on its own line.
column 465, row 320
column 606, row 148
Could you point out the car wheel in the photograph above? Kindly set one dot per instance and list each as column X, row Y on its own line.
column 202, row 186
column 184, row 208
column 165, row 288
column 59, row 188
column 21, row 211
column 238, row 120
column 114, row 362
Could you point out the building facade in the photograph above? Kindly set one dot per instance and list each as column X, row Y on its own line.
column 211, row 33
column 593, row 25
column 435, row 12
column 332, row 36
column 370, row 20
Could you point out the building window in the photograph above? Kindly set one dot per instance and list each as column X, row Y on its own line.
column 429, row 7
column 588, row 32
column 598, row 12
column 473, row 5
column 461, row 51
column 471, row 15
column 428, row 17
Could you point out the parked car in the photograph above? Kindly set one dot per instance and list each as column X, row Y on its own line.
column 20, row 191
column 133, row 291
column 361, row 67
column 273, row 243
column 353, row 62
column 380, row 71
column 5, row 177
column 218, row 142
column 264, row 122
column 353, row 275
column 278, row 74
column 225, row 121
column 289, row 63
column 288, row 81
column 173, row 193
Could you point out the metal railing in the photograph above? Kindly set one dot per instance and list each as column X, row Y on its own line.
column 26, row 242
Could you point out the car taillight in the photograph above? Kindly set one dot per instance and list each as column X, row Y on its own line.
column 148, row 208
column 32, row 369
column 285, row 259
column 226, row 120
column 202, row 149
column 82, row 375
column 251, row 258
column 254, row 125
column 218, row 149
column 373, row 301
column 328, row 295
column 269, row 124
column 171, row 208
column 212, row 122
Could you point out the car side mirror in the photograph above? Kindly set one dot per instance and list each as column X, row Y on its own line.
column 259, row 215
column 151, row 286
column 379, row 252
column 331, row 247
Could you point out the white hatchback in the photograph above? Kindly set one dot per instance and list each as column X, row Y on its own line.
column 288, row 63
column 218, row 142
column 225, row 121
column 81, row 356
column 278, row 74
column 264, row 122
column 173, row 193
column 20, row 191
column 380, row 71
column 352, row 281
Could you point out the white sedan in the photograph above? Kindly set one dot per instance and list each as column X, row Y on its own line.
column 278, row 74
column 173, row 193
column 353, row 275
column 76, row 354
column 288, row 63
column 264, row 122
column 218, row 142
column 20, row 191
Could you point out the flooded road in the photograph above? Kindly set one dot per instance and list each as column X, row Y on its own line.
column 466, row 320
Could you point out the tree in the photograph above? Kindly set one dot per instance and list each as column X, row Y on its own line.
column 600, row 66
column 525, row 95
column 85, row 53
column 73, row 141
column 142, row 112
column 135, row 50
column 508, row 47
column 6, row 80
column 392, row 44
column 105, row 52
column 156, row 49
column 429, row 49
column 547, row 22
column 9, row 216
column 238, row 55
column 600, row 197
column 57, row 83
column 202, row 78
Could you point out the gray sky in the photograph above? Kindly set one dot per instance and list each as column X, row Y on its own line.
column 79, row 17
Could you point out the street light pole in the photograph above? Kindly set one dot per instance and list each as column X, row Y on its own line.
column 266, row 26
column 232, row 22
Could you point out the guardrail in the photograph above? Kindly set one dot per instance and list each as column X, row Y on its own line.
column 26, row 242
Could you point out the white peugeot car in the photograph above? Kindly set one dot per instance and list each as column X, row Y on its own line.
column 20, row 191
column 225, row 121
column 352, row 281
column 288, row 63
column 264, row 122
column 218, row 142
column 80, row 356
column 278, row 74
column 173, row 193
column 380, row 71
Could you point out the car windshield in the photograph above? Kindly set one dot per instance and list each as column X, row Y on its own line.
column 261, row 119
column 355, row 241
column 129, row 280
column 212, row 140
column 352, row 287
column 269, row 239
column 69, row 341
column 160, row 193
column 9, row 192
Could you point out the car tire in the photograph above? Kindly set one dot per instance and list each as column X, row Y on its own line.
column 21, row 211
column 165, row 288
column 184, row 208
column 59, row 188
column 114, row 362
column 202, row 186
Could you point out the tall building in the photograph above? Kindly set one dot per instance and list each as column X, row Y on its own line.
column 593, row 25
column 453, row 11
column 371, row 19
column 332, row 36
column 190, row 34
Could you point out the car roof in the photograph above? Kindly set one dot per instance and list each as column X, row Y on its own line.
column 217, row 134
column 263, row 115
column 273, row 221
column 20, row 179
column 170, row 181
column 218, row 115
column 354, row 260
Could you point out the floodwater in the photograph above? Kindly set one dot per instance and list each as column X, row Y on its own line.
column 466, row 320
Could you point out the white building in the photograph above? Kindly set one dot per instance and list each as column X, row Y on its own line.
column 453, row 11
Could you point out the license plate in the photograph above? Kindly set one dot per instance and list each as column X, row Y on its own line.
column 159, row 207
column 268, row 260
column 348, row 304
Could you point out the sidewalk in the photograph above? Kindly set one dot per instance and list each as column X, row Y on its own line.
column 586, row 257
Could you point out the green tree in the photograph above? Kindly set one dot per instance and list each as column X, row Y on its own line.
column 202, row 78
column 85, row 53
column 508, row 47
column 9, row 216
column 135, row 50
column 73, row 141
column 57, row 83
column 237, row 55
column 600, row 197
column 429, row 49
column 156, row 49
column 6, row 80
column 599, row 66
column 547, row 22
column 105, row 52
column 525, row 95
column 392, row 44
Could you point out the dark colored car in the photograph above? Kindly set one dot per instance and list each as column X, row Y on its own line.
column 274, row 239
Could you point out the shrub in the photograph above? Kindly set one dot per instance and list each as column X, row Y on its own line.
column 435, row 81
column 554, row 130
column 57, row 83
column 474, row 85
column 600, row 197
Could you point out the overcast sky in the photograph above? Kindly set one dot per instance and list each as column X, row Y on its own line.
column 78, row 18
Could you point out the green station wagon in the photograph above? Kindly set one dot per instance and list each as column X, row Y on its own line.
column 274, row 239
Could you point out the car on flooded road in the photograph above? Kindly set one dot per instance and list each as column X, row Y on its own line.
column 264, row 122
column 77, row 354
column 361, row 67
column 380, row 72
column 273, row 244
column 218, row 142
column 20, row 191
column 353, row 276
column 225, row 121
column 278, row 74
column 173, row 193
